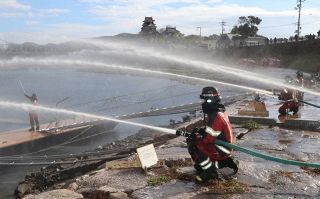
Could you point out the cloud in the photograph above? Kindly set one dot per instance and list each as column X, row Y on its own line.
column 143, row 3
column 71, row 28
column 187, row 14
column 10, row 14
column 46, row 12
column 213, row 1
column 31, row 22
column 119, row 16
column 13, row 4
column 34, row 13
column 94, row 1
column 54, row 33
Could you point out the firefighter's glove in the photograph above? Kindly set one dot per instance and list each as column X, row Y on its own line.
column 182, row 133
column 191, row 139
column 196, row 130
column 212, row 132
column 202, row 131
column 179, row 132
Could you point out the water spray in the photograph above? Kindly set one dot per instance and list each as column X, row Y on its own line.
column 100, row 65
column 199, row 64
column 165, row 130
column 20, row 83
column 24, row 106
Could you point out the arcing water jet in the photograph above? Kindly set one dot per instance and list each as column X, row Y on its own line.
column 165, row 130
column 199, row 64
column 24, row 106
column 100, row 65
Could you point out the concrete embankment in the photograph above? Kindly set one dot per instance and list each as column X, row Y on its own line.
column 297, row 124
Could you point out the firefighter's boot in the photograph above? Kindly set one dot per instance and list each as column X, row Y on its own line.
column 208, row 171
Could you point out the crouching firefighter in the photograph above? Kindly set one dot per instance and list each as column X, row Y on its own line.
column 207, row 155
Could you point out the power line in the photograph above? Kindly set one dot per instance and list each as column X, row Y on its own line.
column 277, row 26
column 147, row 100
column 120, row 96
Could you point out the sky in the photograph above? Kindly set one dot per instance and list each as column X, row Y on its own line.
column 54, row 21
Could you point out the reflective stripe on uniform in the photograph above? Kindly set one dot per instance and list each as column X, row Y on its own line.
column 216, row 163
column 209, row 95
column 223, row 149
column 212, row 132
column 203, row 163
column 198, row 179
column 207, row 166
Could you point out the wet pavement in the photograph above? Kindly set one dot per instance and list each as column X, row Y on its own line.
column 257, row 178
column 305, row 111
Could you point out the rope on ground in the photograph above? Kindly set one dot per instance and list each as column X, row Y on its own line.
column 62, row 162
column 267, row 157
column 62, row 156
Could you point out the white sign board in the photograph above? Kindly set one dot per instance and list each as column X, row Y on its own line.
column 147, row 155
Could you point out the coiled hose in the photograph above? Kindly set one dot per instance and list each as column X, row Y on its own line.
column 267, row 157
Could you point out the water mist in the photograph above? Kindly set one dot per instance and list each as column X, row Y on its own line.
column 149, row 52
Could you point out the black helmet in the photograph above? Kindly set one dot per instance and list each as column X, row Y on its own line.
column 210, row 95
column 299, row 73
column 212, row 100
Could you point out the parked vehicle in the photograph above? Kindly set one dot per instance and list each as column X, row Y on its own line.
column 246, row 62
column 271, row 62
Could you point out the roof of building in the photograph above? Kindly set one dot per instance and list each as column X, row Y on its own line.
column 148, row 19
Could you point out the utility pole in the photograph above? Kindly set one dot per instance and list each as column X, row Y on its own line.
column 222, row 26
column 199, row 29
column 299, row 5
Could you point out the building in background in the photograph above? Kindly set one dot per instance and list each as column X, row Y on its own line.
column 236, row 40
column 171, row 32
column 149, row 28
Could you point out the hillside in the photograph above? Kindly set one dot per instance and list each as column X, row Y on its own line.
column 304, row 55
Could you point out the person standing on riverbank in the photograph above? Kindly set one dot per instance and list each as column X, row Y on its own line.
column 207, row 155
column 33, row 115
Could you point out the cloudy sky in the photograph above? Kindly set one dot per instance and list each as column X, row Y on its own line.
column 45, row 21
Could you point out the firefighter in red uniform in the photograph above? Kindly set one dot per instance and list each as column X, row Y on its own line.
column 34, row 119
column 291, row 103
column 207, row 155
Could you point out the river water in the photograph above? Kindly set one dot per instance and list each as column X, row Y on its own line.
column 97, row 93
column 101, row 94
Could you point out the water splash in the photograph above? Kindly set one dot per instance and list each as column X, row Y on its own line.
column 99, row 65
column 149, row 52
column 26, row 107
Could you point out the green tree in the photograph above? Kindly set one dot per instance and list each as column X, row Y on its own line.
column 247, row 26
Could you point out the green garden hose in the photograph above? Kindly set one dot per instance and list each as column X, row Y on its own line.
column 267, row 157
